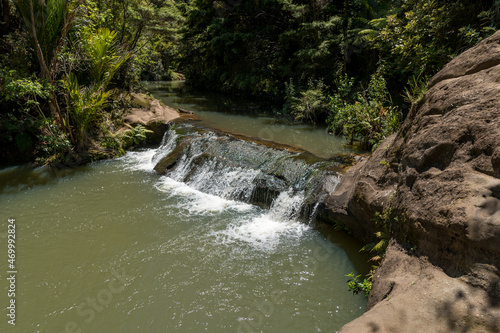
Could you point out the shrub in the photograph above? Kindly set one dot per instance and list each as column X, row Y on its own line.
column 369, row 117
column 311, row 104
column 84, row 105
column 53, row 143
column 27, row 92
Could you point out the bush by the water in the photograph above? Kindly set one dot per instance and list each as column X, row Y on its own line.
column 368, row 117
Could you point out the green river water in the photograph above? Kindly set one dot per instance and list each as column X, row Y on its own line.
column 114, row 247
column 248, row 118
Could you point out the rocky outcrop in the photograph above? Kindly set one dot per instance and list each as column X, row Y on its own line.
column 148, row 109
column 154, row 115
column 440, row 175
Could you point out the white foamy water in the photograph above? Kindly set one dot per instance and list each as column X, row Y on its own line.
column 210, row 191
column 198, row 202
column 262, row 232
column 146, row 159
column 167, row 145
column 287, row 206
column 268, row 228
column 224, row 182
column 139, row 160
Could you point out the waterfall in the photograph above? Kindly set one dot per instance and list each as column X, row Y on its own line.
column 289, row 184
column 272, row 190
column 146, row 159
column 167, row 144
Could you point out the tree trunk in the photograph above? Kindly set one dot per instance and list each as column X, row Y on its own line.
column 5, row 23
column 344, row 34
column 39, row 53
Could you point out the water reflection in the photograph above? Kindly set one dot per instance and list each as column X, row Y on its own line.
column 248, row 118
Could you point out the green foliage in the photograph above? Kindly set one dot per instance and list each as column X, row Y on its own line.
column 257, row 47
column 379, row 246
column 417, row 38
column 489, row 19
column 312, row 103
column 125, row 139
column 294, row 52
column 148, row 30
column 79, row 49
column 415, row 42
column 86, row 102
column 47, row 22
column 370, row 118
column 24, row 91
column 84, row 105
column 113, row 142
column 416, row 89
column 53, row 143
column 134, row 135
column 385, row 163
column 383, row 221
column 357, row 286
column 104, row 56
column 49, row 16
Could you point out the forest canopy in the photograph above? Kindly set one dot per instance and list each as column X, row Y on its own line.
column 356, row 65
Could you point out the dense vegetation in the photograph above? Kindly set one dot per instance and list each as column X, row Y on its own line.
column 64, row 66
column 355, row 64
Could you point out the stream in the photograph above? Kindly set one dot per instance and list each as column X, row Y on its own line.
column 115, row 247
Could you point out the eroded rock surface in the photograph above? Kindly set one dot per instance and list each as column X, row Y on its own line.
column 440, row 174
column 154, row 115
column 150, row 110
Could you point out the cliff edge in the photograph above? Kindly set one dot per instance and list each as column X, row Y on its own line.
column 440, row 176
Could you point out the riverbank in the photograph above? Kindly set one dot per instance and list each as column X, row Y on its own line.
column 132, row 119
column 440, row 178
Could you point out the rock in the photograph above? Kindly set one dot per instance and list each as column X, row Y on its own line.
column 411, row 295
column 185, row 111
column 149, row 110
column 440, row 174
column 155, row 115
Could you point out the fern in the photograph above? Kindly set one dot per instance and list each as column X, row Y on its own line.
column 84, row 104
column 105, row 60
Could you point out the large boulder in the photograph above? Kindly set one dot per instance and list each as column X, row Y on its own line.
column 154, row 115
column 147, row 109
column 440, row 176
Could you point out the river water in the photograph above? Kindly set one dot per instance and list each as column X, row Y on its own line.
column 248, row 118
column 114, row 247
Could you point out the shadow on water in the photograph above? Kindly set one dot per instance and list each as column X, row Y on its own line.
column 360, row 260
column 177, row 94
column 22, row 177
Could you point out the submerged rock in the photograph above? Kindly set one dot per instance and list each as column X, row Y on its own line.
column 440, row 175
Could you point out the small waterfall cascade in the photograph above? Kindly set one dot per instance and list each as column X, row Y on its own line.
column 290, row 184
column 167, row 144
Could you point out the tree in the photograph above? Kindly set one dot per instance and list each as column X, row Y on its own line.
column 48, row 22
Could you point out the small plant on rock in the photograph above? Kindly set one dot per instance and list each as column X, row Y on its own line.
column 357, row 286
